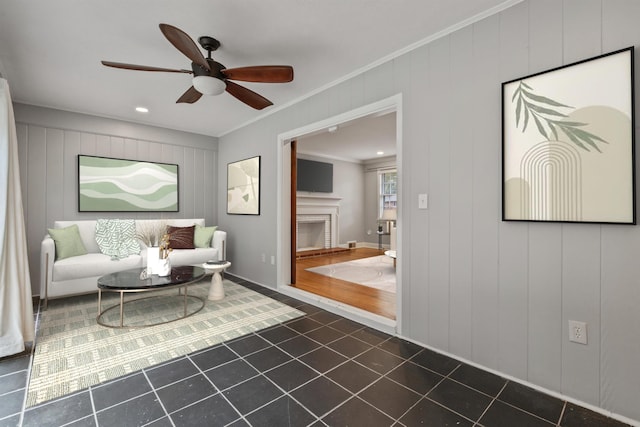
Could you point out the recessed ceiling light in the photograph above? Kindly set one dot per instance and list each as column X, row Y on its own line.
column 380, row 153
column 142, row 109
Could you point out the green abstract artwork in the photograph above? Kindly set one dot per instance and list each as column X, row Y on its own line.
column 117, row 185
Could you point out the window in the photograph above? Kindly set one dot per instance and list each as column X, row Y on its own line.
column 388, row 191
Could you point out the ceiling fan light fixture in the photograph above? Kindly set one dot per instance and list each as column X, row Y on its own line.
column 208, row 85
column 211, row 77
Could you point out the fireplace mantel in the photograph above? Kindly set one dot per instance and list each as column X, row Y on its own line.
column 317, row 200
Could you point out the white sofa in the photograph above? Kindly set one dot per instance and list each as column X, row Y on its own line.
column 79, row 274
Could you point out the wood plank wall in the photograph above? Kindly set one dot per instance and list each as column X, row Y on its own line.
column 497, row 294
column 49, row 142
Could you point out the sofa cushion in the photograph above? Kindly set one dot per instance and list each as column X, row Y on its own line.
column 181, row 237
column 91, row 265
column 87, row 230
column 202, row 236
column 68, row 242
column 117, row 237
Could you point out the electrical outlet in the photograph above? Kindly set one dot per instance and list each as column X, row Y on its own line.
column 273, row 260
column 577, row 331
column 264, row 258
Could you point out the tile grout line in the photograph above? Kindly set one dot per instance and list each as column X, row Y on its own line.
column 155, row 393
column 564, row 408
column 493, row 399
column 93, row 406
column 296, row 358
column 287, row 393
column 219, row 391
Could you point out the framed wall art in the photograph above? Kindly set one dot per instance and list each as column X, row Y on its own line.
column 118, row 185
column 243, row 187
column 568, row 143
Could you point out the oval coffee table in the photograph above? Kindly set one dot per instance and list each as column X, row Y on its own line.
column 136, row 281
column 216, row 292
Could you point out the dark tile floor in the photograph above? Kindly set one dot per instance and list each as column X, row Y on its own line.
column 319, row 370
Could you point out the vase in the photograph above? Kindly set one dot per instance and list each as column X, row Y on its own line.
column 164, row 267
column 153, row 256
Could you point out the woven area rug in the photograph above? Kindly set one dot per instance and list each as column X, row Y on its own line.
column 73, row 352
column 375, row 272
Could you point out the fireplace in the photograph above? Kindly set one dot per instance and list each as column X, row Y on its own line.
column 317, row 222
column 313, row 231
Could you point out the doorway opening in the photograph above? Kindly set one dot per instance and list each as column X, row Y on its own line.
column 340, row 228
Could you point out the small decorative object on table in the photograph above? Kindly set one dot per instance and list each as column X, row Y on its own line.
column 164, row 263
column 151, row 234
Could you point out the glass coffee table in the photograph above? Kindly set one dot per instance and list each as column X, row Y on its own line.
column 135, row 281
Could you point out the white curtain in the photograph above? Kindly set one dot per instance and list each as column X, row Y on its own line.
column 16, row 309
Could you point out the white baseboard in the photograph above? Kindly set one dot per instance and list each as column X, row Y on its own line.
column 365, row 245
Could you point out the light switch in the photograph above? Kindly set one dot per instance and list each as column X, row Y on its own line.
column 422, row 201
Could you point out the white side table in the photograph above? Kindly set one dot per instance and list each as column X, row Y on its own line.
column 392, row 254
column 216, row 292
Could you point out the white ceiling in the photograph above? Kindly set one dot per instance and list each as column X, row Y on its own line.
column 354, row 141
column 50, row 51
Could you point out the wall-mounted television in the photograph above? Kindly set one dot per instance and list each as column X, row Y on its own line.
column 314, row 176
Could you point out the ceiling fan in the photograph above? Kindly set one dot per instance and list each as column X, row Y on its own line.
column 211, row 77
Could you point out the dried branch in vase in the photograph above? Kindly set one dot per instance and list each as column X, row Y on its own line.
column 151, row 233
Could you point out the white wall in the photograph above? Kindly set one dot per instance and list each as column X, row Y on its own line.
column 49, row 142
column 348, row 183
column 498, row 294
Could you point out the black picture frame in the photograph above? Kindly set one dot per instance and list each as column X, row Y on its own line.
column 243, row 186
column 568, row 143
column 108, row 184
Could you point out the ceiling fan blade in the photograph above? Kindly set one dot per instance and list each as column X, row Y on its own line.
column 184, row 44
column 142, row 67
column 261, row 73
column 190, row 96
column 247, row 96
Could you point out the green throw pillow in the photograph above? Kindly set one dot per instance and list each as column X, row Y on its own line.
column 202, row 236
column 68, row 242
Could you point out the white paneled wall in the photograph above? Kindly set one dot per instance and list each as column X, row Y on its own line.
column 498, row 294
column 49, row 142
column 461, row 199
column 545, row 331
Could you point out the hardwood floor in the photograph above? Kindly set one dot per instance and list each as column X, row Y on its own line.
column 373, row 300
